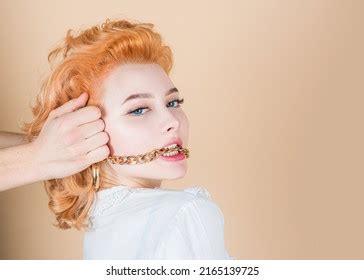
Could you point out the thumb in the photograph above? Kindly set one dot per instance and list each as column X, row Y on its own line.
column 70, row 106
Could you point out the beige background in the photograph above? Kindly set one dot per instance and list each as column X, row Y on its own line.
column 274, row 94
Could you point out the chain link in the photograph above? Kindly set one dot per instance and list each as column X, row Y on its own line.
column 138, row 159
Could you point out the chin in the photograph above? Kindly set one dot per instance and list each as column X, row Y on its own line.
column 177, row 174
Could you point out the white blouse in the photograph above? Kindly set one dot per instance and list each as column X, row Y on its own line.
column 144, row 223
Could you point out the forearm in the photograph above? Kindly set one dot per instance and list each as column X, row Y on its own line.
column 9, row 139
column 18, row 167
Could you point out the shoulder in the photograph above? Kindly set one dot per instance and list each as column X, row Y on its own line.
column 198, row 191
column 195, row 231
column 177, row 201
column 196, row 198
column 176, row 198
column 193, row 202
column 190, row 193
column 197, row 205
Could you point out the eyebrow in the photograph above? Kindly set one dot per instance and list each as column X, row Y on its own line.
column 148, row 95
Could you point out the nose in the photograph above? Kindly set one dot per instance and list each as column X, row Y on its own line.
column 171, row 122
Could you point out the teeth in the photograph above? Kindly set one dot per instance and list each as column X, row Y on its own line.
column 170, row 153
column 171, row 146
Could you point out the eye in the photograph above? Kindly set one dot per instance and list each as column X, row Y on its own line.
column 138, row 112
column 179, row 101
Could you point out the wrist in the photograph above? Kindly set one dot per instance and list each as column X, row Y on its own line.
column 18, row 167
column 35, row 166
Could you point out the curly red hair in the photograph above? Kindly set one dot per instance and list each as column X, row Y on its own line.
column 78, row 65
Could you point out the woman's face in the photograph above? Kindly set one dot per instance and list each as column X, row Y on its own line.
column 140, row 125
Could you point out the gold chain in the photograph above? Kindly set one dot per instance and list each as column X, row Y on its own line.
column 145, row 157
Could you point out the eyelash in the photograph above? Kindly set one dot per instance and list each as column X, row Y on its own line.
column 179, row 101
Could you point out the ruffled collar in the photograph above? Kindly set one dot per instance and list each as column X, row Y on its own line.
column 108, row 197
column 111, row 196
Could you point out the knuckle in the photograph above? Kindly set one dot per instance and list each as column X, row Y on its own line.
column 101, row 138
column 107, row 150
column 75, row 135
column 96, row 111
column 105, row 137
column 74, row 151
column 101, row 124
column 104, row 152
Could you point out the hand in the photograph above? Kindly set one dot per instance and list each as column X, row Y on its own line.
column 71, row 140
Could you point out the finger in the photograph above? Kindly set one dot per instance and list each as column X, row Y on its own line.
column 97, row 155
column 95, row 141
column 82, row 116
column 89, row 129
column 69, row 106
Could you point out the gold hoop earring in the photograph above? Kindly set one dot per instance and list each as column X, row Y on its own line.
column 95, row 178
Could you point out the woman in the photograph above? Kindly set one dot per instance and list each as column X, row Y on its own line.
column 124, row 66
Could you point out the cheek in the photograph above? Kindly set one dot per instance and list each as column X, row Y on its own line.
column 184, row 123
column 184, row 129
column 127, row 138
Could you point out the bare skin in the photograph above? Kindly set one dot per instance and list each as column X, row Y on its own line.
column 139, row 125
column 71, row 139
column 9, row 139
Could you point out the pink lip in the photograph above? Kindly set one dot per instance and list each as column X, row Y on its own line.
column 174, row 140
column 177, row 157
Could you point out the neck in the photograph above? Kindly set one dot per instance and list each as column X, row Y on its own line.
column 111, row 179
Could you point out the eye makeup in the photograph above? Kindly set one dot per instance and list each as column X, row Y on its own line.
column 179, row 101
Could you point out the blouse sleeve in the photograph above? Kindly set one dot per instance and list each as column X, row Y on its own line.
column 196, row 232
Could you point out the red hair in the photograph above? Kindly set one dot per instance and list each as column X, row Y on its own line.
column 84, row 60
